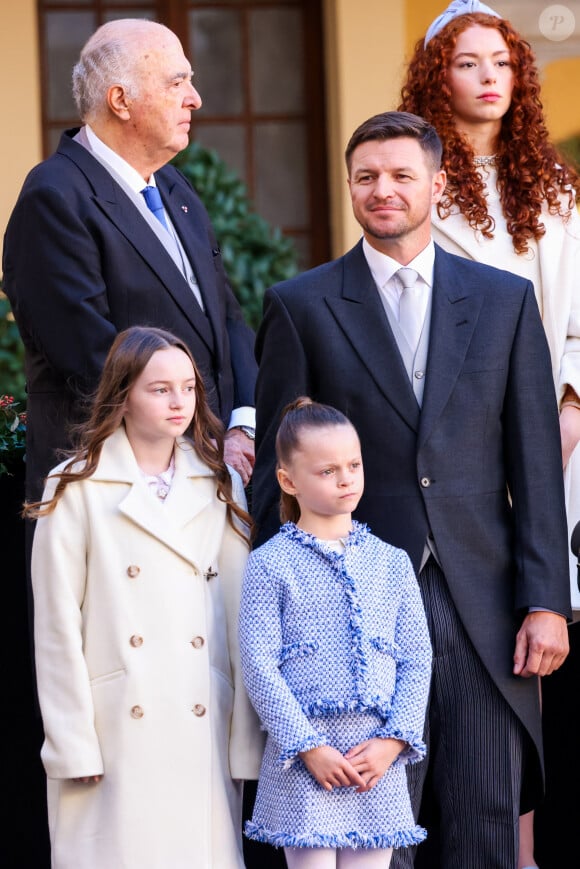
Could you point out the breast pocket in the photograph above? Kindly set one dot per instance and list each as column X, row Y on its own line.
column 383, row 655
column 299, row 665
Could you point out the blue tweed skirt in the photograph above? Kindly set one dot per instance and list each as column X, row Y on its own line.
column 293, row 810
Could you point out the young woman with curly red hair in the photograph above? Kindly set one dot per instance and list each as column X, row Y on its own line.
column 510, row 201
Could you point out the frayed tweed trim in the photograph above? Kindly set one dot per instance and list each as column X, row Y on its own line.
column 298, row 650
column 415, row 749
column 399, row 839
column 381, row 644
column 289, row 755
column 359, row 532
column 326, row 707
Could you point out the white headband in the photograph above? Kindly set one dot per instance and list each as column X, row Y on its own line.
column 456, row 8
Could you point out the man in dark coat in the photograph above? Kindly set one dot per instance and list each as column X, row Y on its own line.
column 461, row 448
column 85, row 257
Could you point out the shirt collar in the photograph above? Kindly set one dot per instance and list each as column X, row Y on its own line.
column 129, row 175
column 383, row 267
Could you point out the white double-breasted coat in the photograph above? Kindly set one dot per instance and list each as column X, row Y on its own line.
column 136, row 651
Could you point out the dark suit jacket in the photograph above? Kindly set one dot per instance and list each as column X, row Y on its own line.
column 488, row 422
column 80, row 264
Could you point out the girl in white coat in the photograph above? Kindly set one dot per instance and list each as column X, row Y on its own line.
column 139, row 549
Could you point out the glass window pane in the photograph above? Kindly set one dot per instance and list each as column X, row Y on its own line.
column 53, row 140
column 276, row 61
column 215, row 37
column 133, row 12
column 234, row 2
column 280, row 174
column 229, row 141
column 66, row 33
column 108, row 3
column 302, row 245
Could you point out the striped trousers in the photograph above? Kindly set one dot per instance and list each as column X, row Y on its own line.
column 467, row 792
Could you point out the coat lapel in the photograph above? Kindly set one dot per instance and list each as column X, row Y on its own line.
column 455, row 309
column 118, row 208
column 167, row 522
column 360, row 314
column 197, row 248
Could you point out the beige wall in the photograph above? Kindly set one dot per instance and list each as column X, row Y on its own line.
column 560, row 83
column 364, row 57
column 20, row 142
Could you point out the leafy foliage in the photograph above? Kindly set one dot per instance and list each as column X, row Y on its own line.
column 570, row 149
column 255, row 254
column 12, row 433
column 11, row 354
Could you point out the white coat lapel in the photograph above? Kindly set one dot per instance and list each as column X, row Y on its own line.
column 166, row 522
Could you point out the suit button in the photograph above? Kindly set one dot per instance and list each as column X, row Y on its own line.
column 133, row 571
column 425, row 482
column 137, row 712
column 199, row 710
column 136, row 641
column 197, row 642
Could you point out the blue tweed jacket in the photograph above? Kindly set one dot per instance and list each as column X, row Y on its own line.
column 323, row 632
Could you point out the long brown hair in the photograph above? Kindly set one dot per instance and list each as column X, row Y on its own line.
column 300, row 414
column 129, row 354
column 531, row 171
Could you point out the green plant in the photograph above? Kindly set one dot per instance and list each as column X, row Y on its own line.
column 12, row 381
column 12, row 433
column 570, row 149
column 255, row 254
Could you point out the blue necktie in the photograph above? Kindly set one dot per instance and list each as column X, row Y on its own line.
column 154, row 203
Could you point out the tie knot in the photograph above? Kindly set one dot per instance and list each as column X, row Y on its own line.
column 152, row 198
column 154, row 203
column 408, row 277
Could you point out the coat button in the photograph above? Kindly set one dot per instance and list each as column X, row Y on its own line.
column 133, row 570
column 199, row 710
column 425, row 482
column 137, row 712
column 197, row 642
column 136, row 641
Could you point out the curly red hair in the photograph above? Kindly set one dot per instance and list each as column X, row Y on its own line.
column 531, row 172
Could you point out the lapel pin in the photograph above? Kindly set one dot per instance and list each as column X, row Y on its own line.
column 184, row 208
column 210, row 573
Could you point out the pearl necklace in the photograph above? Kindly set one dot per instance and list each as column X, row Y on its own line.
column 491, row 160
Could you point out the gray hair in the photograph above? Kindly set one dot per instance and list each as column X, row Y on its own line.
column 108, row 58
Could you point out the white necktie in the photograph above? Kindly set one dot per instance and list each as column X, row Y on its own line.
column 410, row 308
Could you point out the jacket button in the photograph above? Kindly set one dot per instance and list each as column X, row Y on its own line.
column 199, row 710
column 137, row 712
column 136, row 641
column 425, row 482
column 133, row 570
column 197, row 642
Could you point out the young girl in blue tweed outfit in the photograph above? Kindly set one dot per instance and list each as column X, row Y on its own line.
column 336, row 659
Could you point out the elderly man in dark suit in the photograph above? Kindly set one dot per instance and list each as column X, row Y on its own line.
column 458, row 422
column 87, row 253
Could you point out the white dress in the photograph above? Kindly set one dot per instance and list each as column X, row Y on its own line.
column 553, row 266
